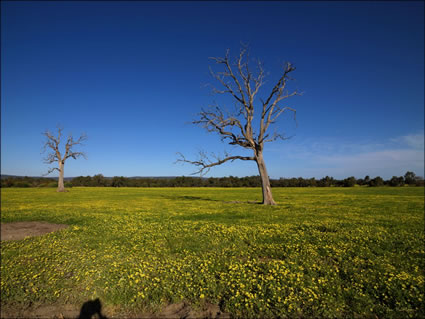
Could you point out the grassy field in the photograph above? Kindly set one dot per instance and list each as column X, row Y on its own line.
column 322, row 252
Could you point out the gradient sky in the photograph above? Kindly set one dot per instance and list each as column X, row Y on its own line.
column 132, row 75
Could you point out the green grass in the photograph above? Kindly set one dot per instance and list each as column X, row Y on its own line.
column 322, row 252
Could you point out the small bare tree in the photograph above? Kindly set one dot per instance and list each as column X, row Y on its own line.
column 54, row 155
column 237, row 127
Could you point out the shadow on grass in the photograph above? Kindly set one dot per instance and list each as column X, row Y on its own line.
column 194, row 198
column 190, row 198
column 90, row 309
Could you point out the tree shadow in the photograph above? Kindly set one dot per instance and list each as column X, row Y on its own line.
column 91, row 308
column 190, row 198
column 193, row 198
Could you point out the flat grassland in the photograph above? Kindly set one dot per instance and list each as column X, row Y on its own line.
column 322, row 252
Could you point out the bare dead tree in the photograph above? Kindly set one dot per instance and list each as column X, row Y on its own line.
column 54, row 154
column 242, row 83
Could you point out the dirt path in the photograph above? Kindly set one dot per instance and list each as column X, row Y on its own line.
column 21, row 230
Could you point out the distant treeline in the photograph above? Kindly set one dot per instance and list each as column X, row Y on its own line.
column 99, row 180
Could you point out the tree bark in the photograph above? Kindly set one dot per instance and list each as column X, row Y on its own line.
column 265, row 181
column 61, row 187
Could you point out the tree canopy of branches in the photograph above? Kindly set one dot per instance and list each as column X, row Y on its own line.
column 51, row 147
column 242, row 83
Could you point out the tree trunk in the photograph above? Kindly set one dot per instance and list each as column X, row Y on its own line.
column 265, row 182
column 61, row 187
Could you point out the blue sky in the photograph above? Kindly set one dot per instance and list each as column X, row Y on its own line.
column 132, row 76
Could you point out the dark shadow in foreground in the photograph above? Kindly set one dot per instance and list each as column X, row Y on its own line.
column 91, row 308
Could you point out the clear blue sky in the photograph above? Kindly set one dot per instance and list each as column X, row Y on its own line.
column 132, row 75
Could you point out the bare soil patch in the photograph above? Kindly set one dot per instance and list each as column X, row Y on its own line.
column 21, row 230
column 182, row 310
column 93, row 309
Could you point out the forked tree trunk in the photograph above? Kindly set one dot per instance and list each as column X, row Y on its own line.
column 61, row 187
column 265, row 181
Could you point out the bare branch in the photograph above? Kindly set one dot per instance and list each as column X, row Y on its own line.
column 76, row 155
column 214, row 120
column 280, row 111
column 259, row 79
column 272, row 117
column 221, row 77
column 281, row 82
column 51, row 170
column 229, row 73
column 70, row 143
column 275, row 137
column 204, row 163
column 271, row 111
column 52, row 142
column 50, row 158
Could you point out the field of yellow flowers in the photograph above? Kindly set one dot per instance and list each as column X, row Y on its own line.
column 322, row 252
